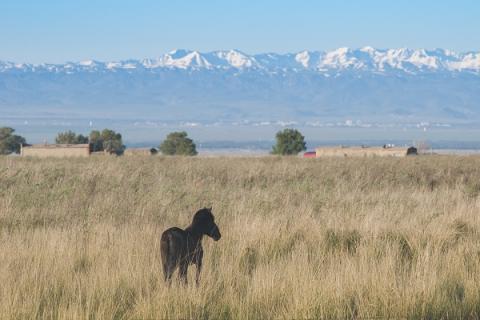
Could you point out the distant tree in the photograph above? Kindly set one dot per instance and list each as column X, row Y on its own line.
column 107, row 140
column 81, row 139
column 96, row 142
column 177, row 143
column 9, row 142
column 112, row 141
column 289, row 142
column 70, row 137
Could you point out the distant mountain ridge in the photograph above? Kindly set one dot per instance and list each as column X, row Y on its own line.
column 342, row 59
column 367, row 84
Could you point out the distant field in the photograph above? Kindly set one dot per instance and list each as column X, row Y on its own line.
column 302, row 238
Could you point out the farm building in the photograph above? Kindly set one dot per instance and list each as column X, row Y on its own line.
column 365, row 151
column 56, row 150
column 140, row 152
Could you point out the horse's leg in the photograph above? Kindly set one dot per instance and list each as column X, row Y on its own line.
column 183, row 271
column 199, row 268
column 198, row 262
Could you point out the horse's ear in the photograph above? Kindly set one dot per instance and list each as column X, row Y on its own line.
column 210, row 209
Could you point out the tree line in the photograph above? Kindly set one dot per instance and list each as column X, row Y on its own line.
column 288, row 142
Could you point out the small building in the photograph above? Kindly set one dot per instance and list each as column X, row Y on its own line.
column 55, row 150
column 140, row 152
column 363, row 151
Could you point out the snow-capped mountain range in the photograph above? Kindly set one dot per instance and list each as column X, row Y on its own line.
column 366, row 84
column 342, row 59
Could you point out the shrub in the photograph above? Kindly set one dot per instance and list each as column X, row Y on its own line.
column 9, row 142
column 289, row 142
column 178, row 143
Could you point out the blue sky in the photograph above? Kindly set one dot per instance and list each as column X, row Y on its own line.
column 60, row 30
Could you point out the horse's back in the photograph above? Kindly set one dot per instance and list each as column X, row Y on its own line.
column 173, row 232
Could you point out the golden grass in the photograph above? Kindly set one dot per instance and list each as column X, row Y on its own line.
column 302, row 238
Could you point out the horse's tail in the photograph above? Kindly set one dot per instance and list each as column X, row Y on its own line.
column 165, row 253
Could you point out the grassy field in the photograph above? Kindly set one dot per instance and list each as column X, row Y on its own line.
column 301, row 238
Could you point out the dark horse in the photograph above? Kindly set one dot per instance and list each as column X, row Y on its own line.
column 180, row 248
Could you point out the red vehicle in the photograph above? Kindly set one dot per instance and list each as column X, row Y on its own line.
column 310, row 154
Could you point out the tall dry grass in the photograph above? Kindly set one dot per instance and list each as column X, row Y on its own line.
column 302, row 238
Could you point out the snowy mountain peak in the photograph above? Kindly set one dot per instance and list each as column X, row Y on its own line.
column 421, row 59
column 183, row 59
column 341, row 58
column 178, row 53
column 368, row 49
column 238, row 59
column 87, row 63
column 303, row 58
column 341, row 51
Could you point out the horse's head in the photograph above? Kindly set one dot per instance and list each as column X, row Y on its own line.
column 204, row 221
